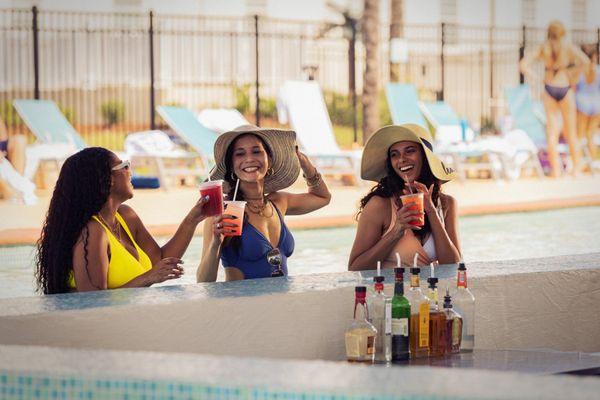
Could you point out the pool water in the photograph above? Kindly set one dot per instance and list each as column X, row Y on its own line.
column 483, row 238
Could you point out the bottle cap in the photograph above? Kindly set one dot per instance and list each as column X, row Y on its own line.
column 432, row 282
column 415, row 271
column 378, row 279
column 462, row 266
column 360, row 289
column 447, row 299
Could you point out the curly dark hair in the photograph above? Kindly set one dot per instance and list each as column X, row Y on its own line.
column 231, row 178
column 391, row 185
column 82, row 189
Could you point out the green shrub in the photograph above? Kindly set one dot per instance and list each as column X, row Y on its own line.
column 68, row 112
column 242, row 99
column 9, row 115
column 340, row 109
column 268, row 108
column 113, row 112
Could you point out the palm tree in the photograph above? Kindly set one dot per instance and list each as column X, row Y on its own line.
column 396, row 31
column 370, row 32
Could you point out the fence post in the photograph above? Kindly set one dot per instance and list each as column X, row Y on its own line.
column 491, row 108
column 522, row 52
column 598, row 45
column 442, row 61
column 257, row 83
column 152, row 90
column 36, row 53
column 352, row 78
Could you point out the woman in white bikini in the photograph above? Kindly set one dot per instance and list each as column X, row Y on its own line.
column 395, row 157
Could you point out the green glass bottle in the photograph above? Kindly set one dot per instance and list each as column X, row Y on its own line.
column 400, row 320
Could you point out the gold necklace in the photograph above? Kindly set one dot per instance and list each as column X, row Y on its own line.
column 260, row 209
column 116, row 231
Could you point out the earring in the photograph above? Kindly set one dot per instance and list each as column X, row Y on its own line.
column 233, row 177
column 270, row 171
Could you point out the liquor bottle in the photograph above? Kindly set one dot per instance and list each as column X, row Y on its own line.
column 464, row 304
column 380, row 315
column 400, row 320
column 453, row 326
column 419, row 317
column 360, row 335
column 437, row 322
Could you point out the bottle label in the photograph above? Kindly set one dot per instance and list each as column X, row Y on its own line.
column 414, row 281
column 456, row 333
column 400, row 327
column 424, row 324
column 388, row 318
column 462, row 279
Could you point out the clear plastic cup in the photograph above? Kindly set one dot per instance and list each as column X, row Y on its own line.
column 235, row 208
column 214, row 189
column 417, row 200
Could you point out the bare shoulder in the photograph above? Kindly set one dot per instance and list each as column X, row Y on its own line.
column 93, row 232
column 280, row 199
column 127, row 212
column 448, row 202
column 377, row 206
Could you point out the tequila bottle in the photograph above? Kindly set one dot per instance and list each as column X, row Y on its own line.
column 380, row 313
column 400, row 320
column 453, row 326
column 437, row 322
column 419, row 317
column 360, row 335
column 464, row 304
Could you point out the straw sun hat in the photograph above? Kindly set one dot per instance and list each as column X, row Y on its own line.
column 284, row 161
column 375, row 154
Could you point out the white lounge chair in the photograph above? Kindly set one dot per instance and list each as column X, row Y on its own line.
column 301, row 104
column 23, row 187
column 222, row 119
column 157, row 149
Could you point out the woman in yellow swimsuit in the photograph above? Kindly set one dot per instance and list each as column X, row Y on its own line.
column 92, row 241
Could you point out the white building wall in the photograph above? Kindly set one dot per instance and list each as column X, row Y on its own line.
column 422, row 11
column 508, row 13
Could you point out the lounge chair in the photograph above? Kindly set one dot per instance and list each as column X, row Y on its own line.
column 301, row 104
column 156, row 150
column 21, row 186
column 221, row 119
column 529, row 116
column 56, row 137
column 197, row 136
column 454, row 141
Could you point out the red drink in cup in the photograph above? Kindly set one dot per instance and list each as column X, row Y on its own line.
column 214, row 189
column 417, row 200
column 235, row 208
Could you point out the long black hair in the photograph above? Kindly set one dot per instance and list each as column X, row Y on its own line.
column 82, row 189
column 231, row 180
column 391, row 185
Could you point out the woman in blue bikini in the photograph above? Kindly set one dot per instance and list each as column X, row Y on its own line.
column 588, row 99
column 265, row 161
column 563, row 64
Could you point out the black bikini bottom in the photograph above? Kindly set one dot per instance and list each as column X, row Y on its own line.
column 557, row 93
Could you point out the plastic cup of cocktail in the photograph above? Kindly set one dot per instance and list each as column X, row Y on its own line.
column 416, row 199
column 214, row 189
column 235, row 208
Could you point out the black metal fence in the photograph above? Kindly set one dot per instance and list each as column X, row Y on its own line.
column 108, row 71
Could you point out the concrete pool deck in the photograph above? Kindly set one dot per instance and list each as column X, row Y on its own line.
column 162, row 210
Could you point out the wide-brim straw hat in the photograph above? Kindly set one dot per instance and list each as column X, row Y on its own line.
column 285, row 166
column 375, row 154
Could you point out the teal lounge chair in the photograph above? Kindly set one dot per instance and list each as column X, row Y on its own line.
column 191, row 131
column 47, row 123
column 406, row 108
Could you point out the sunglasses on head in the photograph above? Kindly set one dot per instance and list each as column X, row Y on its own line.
column 274, row 259
column 123, row 165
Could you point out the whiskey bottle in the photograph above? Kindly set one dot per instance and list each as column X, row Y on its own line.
column 380, row 313
column 437, row 322
column 464, row 304
column 360, row 335
column 400, row 320
column 419, row 317
column 453, row 326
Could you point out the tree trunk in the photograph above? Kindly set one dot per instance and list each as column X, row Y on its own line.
column 396, row 31
column 370, row 31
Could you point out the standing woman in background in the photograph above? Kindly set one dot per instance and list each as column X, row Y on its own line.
column 563, row 62
column 588, row 99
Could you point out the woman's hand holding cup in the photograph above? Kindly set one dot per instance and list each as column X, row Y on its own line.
column 404, row 216
column 222, row 227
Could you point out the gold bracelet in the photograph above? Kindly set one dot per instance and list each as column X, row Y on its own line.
column 314, row 181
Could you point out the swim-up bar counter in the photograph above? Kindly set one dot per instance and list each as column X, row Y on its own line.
column 292, row 319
